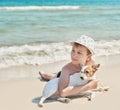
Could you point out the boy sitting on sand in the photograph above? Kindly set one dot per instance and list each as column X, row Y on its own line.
column 81, row 54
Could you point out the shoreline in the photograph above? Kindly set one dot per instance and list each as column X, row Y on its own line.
column 31, row 71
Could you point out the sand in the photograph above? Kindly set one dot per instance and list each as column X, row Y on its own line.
column 24, row 93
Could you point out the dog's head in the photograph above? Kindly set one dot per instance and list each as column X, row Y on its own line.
column 88, row 71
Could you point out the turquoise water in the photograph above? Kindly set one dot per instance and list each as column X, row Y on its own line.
column 57, row 2
column 35, row 29
column 19, row 26
column 24, row 21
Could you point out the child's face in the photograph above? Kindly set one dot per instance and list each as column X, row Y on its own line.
column 79, row 55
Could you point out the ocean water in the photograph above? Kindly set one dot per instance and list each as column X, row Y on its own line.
column 39, row 31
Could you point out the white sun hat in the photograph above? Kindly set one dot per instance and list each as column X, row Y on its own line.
column 86, row 41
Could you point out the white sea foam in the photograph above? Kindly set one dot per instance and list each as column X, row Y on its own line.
column 40, row 8
column 104, row 48
column 33, row 54
column 49, row 52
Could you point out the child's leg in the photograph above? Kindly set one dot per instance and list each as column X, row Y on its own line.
column 47, row 76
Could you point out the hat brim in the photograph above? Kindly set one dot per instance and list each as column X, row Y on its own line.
column 91, row 51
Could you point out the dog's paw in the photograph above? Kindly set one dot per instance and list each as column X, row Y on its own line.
column 64, row 100
column 89, row 98
column 89, row 95
column 103, row 89
column 106, row 88
column 67, row 100
column 40, row 105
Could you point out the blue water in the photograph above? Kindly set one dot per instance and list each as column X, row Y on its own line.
column 57, row 2
column 36, row 31
column 20, row 26
column 29, row 21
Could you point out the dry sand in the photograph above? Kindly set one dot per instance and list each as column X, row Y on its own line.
column 24, row 93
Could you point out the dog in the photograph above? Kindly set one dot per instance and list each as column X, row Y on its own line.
column 78, row 79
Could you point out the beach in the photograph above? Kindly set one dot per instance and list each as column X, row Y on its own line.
column 24, row 93
column 35, row 35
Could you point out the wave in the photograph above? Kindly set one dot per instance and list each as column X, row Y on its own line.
column 107, row 48
column 19, row 8
column 33, row 54
column 37, row 54
column 64, row 7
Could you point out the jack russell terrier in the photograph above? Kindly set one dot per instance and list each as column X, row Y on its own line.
column 78, row 79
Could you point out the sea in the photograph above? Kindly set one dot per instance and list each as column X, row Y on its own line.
column 38, row 32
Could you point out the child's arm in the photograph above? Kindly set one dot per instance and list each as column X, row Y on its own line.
column 63, row 80
column 71, row 90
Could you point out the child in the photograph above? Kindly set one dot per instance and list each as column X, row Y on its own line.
column 81, row 54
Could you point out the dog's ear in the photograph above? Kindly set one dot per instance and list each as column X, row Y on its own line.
column 96, row 66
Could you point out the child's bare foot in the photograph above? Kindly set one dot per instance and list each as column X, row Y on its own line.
column 43, row 76
column 47, row 76
column 41, row 73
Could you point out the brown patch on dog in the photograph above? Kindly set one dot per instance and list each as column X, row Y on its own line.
column 90, row 71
